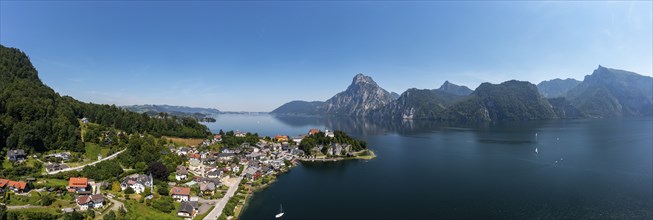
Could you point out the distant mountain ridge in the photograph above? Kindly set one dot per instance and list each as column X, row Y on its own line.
column 299, row 108
column 171, row 109
column 556, row 87
column 604, row 93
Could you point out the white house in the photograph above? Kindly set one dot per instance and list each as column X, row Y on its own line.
column 92, row 201
column 137, row 182
column 181, row 194
column 182, row 173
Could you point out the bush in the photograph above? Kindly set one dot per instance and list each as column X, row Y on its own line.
column 129, row 190
column 163, row 191
column 165, row 204
column 46, row 200
column 111, row 215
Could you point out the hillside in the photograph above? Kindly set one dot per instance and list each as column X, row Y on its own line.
column 298, row 108
column 36, row 118
column 418, row 104
column 612, row 93
column 509, row 101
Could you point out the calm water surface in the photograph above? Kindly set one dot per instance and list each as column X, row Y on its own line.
column 427, row 170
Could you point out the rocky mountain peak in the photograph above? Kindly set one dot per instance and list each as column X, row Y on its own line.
column 362, row 79
column 361, row 97
column 454, row 89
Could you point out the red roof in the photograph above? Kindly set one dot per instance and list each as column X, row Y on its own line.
column 196, row 156
column 17, row 184
column 3, row 182
column 180, row 191
column 78, row 182
column 217, row 136
column 313, row 131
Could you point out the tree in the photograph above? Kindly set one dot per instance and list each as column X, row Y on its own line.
column 162, row 190
column 140, row 166
column 46, row 200
column 3, row 212
column 115, row 187
column 147, row 191
column 122, row 214
column 129, row 191
column 90, row 214
column 111, row 215
column 158, row 170
column 74, row 215
column 165, row 204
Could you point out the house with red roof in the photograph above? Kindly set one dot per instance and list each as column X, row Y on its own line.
column 77, row 184
column 181, row 194
column 281, row 138
column 16, row 186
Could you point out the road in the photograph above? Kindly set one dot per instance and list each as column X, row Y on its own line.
column 90, row 164
column 219, row 206
column 22, row 207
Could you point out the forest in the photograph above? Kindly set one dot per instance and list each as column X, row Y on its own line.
column 35, row 118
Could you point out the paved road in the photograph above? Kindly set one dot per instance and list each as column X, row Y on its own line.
column 116, row 205
column 90, row 164
column 219, row 206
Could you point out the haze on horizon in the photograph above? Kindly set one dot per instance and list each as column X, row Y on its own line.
column 255, row 56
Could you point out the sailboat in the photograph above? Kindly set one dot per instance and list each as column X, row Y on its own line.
column 280, row 212
column 536, row 150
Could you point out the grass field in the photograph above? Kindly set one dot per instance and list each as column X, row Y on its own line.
column 31, row 199
column 52, row 182
column 104, row 151
column 92, row 150
column 50, row 210
column 137, row 210
column 185, row 141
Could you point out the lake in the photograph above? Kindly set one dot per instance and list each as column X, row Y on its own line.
column 430, row 170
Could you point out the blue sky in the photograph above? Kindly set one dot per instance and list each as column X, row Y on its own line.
column 255, row 56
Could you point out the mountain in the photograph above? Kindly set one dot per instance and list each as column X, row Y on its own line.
column 418, row 104
column 394, row 95
column 556, row 87
column 454, row 89
column 564, row 109
column 171, row 109
column 299, row 107
column 360, row 98
column 512, row 100
column 34, row 117
column 611, row 92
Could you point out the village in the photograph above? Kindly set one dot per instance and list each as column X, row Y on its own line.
column 210, row 183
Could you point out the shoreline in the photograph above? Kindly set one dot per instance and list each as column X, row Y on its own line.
column 371, row 155
column 250, row 193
